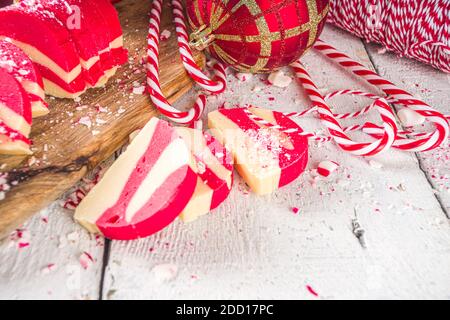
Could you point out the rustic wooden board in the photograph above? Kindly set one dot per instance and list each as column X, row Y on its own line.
column 64, row 149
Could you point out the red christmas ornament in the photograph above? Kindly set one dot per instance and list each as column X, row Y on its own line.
column 256, row 35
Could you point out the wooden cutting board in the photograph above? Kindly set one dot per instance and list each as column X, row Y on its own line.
column 76, row 136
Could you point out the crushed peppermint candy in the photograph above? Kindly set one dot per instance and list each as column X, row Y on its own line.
column 165, row 34
column 257, row 88
column 85, row 121
column 86, row 260
column 73, row 237
column 48, row 268
column 101, row 109
column 410, row 118
column 243, row 76
column 100, row 122
column 21, row 237
column 165, row 272
column 4, row 186
column 279, row 79
column 312, row 291
column 75, row 198
column 326, row 168
column 44, row 216
column 139, row 90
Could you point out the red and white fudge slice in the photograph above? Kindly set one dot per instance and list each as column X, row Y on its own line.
column 48, row 43
column 106, row 55
column 15, row 116
column 115, row 34
column 144, row 190
column 81, row 20
column 266, row 158
column 213, row 164
column 17, row 63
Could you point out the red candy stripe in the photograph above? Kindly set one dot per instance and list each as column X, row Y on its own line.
column 334, row 128
column 396, row 96
column 153, row 84
column 12, row 134
column 217, row 86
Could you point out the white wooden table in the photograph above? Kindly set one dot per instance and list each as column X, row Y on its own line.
column 256, row 247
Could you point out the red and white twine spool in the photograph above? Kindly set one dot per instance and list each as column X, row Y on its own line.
column 153, row 83
column 419, row 29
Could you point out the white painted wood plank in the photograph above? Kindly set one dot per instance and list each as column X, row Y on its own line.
column 433, row 86
column 49, row 268
column 256, row 247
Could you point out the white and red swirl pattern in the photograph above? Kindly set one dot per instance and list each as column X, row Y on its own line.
column 15, row 116
column 266, row 157
column 213, row 164
column 85, row 40
column 48, row 44
column 75, row 49
column 112, row 31
column 17, row 64
column 144, row 190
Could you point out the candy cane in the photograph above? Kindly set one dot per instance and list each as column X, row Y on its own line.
column 191, row 67
column 371, row 128
column 334, row 128
column 386, row 136
column 283, row 129
column 154, row 87
column 396, row 96
column 365, row 127
column 153, row 83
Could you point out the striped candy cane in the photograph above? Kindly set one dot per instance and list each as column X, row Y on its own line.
column 396, row 96
column 370, row 128
column 386, row 135
column 153, row 83
column 334, row 128
column 217, row 86
column 280, row 128
column 361, row 112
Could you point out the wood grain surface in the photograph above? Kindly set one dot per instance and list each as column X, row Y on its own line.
column 76, row 136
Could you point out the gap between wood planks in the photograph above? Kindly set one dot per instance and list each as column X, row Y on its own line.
column 418, row 157
column 106, row 251
column 105, row 260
